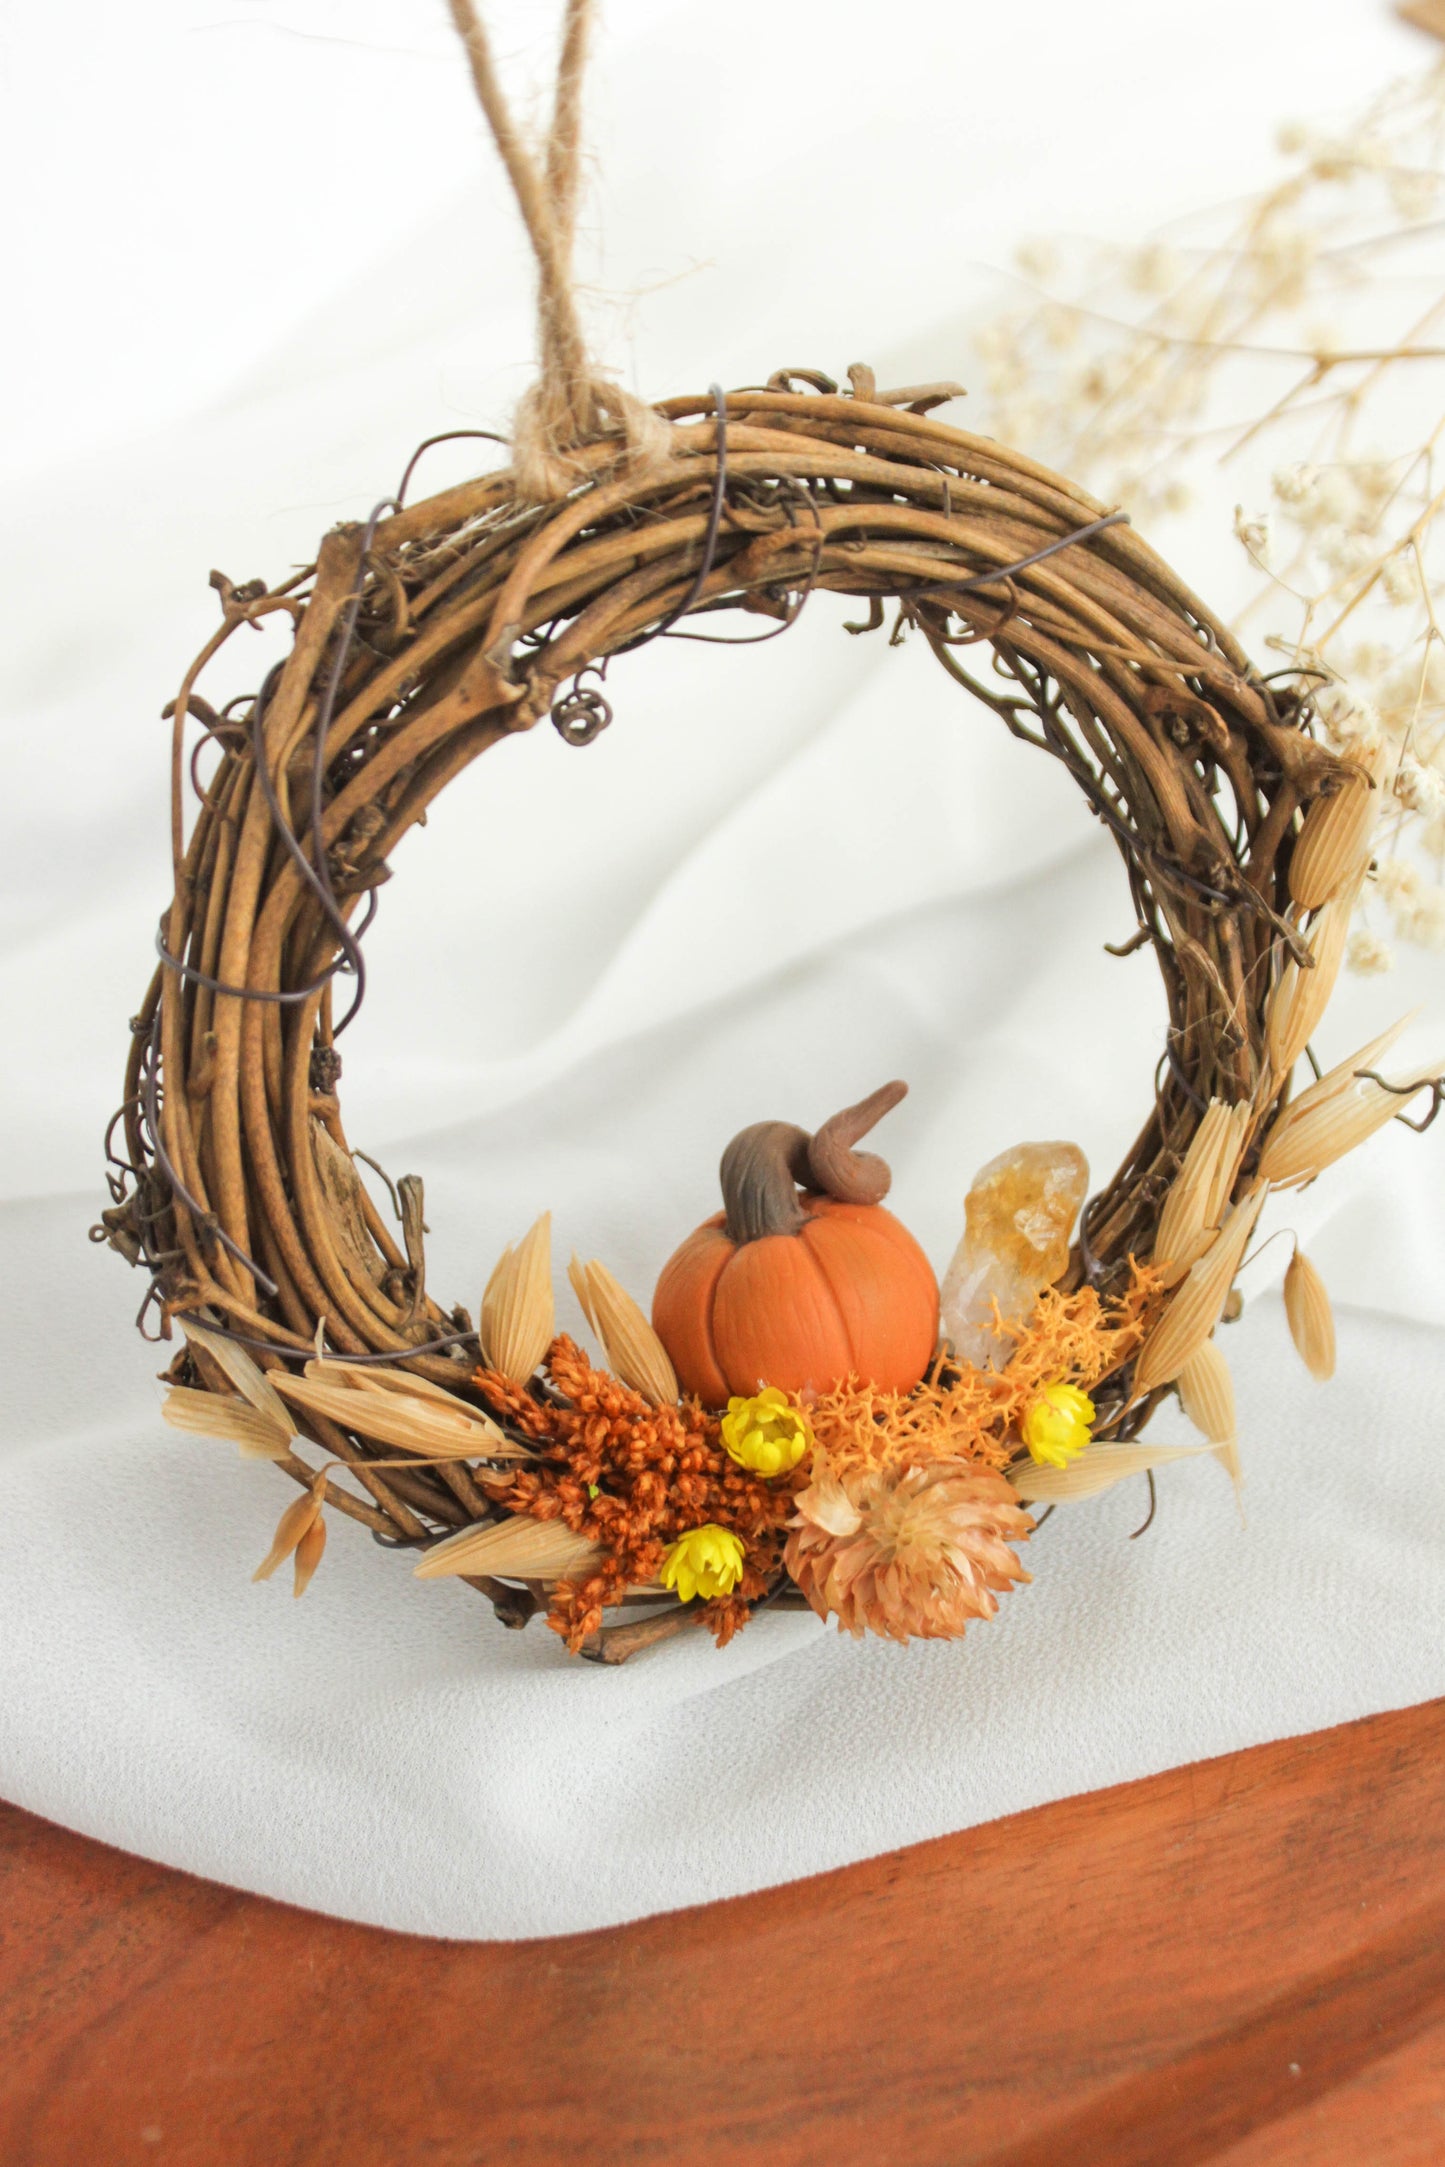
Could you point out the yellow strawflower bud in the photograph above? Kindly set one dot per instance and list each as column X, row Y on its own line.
column 767, row 1433
column 706, row 1561
column 1056, row 1424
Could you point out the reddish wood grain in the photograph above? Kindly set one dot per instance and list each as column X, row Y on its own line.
column 1240, row 1962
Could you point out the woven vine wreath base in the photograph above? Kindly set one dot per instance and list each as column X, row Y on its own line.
column 432, row 633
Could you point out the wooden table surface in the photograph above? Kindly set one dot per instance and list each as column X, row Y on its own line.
column 1239, row 1962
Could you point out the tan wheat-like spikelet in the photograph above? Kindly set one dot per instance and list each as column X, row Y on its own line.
column 1334, row 840
column 1206, row 1393
column 217, row 1414
column 1301, row 997
column 1227, row 1455
column 308, row 1554
column 518, row 1547
column 1226, row 1164
column 294, row 1525
column 381, row 1377
column 1097, row 1468
column 1332, row 1116
column 1195, row 1310
column 410, row 1423
column 249, row 1379
column 1200, row 1189
column 634, row 1351
column 1311, row 1319
column 519, row 1320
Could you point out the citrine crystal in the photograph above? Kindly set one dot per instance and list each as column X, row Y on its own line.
column 1018, row 1219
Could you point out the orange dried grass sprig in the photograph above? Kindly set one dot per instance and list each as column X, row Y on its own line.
column 632, row 1477
column 1082, row 1338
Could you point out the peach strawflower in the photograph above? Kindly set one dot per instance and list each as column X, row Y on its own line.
column 906, row 1551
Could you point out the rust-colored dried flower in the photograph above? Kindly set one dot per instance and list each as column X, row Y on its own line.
column 633, row 1477
column 908, row 1552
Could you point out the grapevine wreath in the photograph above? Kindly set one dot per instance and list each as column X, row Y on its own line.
column 799, row 1422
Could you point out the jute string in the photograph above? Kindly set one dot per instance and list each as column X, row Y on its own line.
column 571, row 404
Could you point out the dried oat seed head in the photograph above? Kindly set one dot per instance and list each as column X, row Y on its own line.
column 518, row 1316
column 1311, row 1319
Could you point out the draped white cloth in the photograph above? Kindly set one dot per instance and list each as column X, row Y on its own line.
column 781, row 877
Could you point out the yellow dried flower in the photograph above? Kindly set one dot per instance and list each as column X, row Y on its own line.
column 706, row 1561
column 1056, row 1424
column 766, row 1433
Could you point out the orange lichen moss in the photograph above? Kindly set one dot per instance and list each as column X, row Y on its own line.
column 633, row 1478
column 967, row 1413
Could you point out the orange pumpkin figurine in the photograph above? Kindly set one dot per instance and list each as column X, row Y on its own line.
column 800, row 1290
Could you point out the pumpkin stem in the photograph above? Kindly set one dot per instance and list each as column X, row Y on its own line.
column 764, row 1167
column 761, row 1170
column 835, row 1168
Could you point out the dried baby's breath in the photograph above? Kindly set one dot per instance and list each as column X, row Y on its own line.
column 634, row 1351
column 1282, row 340
column 1368, row 955
column 519, row 1548
column 1311, row 1319
column 518, row 1315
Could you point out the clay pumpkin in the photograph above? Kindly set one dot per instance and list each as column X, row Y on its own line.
column 798, row 1289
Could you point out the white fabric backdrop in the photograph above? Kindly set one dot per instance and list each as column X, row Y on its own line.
column 779, row 878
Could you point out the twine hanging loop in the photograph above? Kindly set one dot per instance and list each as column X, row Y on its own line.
column 572, row 404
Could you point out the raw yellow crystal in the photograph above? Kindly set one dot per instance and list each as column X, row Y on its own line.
column 1017, row 1222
